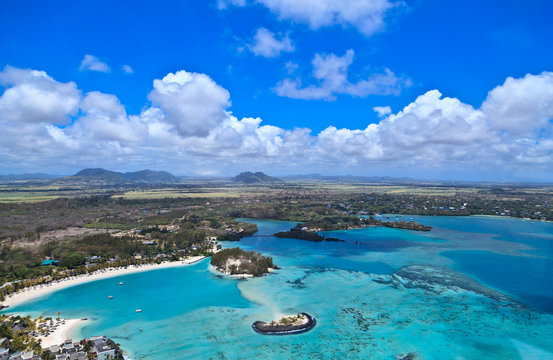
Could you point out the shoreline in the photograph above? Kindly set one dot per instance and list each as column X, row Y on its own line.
column 27, row 294
column 61, row 333
column 215, row 271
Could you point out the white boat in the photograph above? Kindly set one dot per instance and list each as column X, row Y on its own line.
column 121, row 283
column 110, row 297
column 138, row 310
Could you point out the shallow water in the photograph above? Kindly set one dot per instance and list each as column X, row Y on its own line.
column 363, row 310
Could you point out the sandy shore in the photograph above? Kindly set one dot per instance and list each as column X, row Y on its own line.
column 61, row 333
column 36, row 291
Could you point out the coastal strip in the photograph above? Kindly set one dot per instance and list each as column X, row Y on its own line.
column 32, row 292
column 61, row 332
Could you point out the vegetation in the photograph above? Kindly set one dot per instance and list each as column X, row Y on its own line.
column 254, row 178
column 298, row 233
column 89, row 227
column 236, row 261
column 17, row 331
column 286, row 325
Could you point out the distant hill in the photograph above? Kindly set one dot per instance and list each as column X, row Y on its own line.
column 102, row 176
column 255, row 178
column 28, row 176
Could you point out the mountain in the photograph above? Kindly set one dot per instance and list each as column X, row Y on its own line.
column 255, row 178
column 103, row 176
column 150, row 176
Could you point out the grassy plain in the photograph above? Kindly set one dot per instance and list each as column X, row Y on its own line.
column 36, row 192
column 199, row 192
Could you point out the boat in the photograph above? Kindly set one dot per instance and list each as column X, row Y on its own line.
column 138, row 310
column 121, row 283
column 110, row 297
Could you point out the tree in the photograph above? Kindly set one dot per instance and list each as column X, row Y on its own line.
column 72, row 260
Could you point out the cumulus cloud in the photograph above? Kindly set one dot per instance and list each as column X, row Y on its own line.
column 33, row 96
column 188, row 126
column 331, row 74
column 192, row 102
column 92, row 63
column 367, row 16
column 521, row 105
column 266, row 43
column 105, row 119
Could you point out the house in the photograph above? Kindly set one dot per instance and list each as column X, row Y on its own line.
column 103, row 348
column 49, row 262
column 4, row 354
column 68, row 344
column 16, row 356
column 105, row 353
column 27, row 355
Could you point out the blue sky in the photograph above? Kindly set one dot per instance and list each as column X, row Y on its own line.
column 312, row 70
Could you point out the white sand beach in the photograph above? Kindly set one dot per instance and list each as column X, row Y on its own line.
column 39, row 290
column 61, row 332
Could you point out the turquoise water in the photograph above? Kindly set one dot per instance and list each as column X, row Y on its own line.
column 365, row 308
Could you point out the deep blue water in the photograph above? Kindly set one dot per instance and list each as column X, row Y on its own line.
column 191, row 313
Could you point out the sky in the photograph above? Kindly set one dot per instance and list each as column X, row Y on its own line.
column 430, row 89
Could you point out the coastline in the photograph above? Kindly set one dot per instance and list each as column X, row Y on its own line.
column 218, row 272
column 61, row 333
column 37, row 291
column 512, row 217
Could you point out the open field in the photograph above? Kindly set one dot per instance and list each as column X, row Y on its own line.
column 219, row 192
column 31, row 192
column 7, row 197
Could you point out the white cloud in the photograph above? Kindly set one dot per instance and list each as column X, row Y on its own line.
column 521, row 105
column 105, row 119
column 291, row 67
column 431, row 121
column 189, row 127
column 382, row 110
column 265, row 43
column 192, row 102
column 33, row 96
column 127, row 69
column 331, row 73
column 367, row 16
column 223, row 4
column 92, row 63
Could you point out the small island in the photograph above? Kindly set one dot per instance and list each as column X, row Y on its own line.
column 299, row 233
column 308, row 230
column 287, row 325
column 241, row 263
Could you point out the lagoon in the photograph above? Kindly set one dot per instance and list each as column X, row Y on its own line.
column 363, row 309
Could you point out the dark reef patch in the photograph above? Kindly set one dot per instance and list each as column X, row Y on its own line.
column 439, row 280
